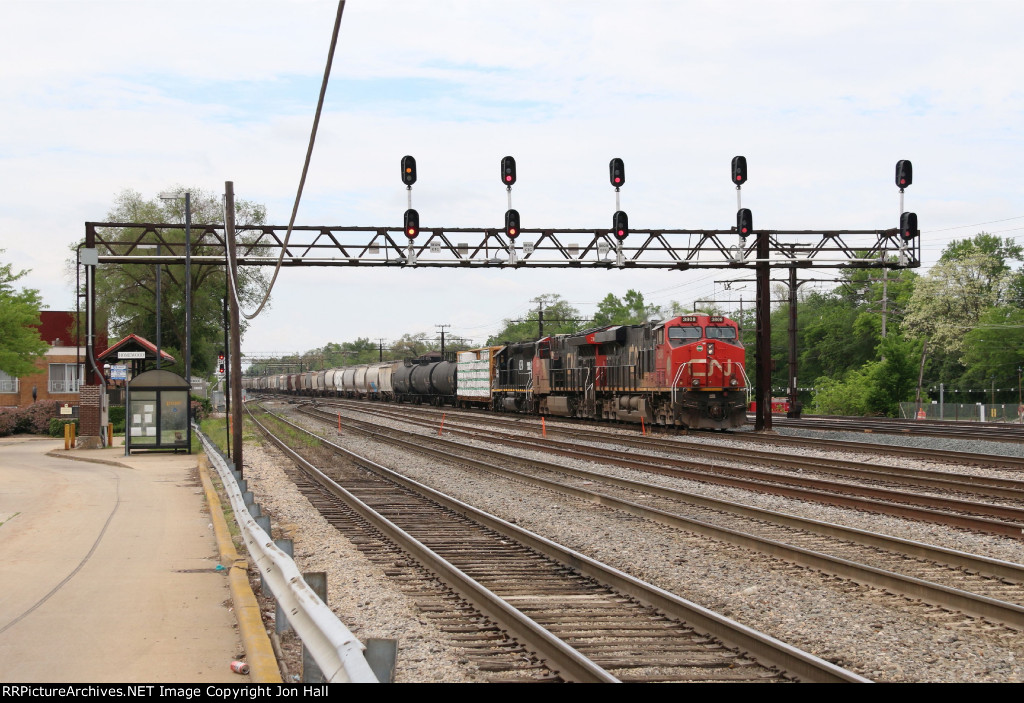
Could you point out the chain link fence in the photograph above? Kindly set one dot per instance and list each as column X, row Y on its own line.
column 964, row 412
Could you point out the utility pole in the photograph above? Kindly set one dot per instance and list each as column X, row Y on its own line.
column 235, row 355
column 227, row 393
column 380, row 350
column 442, row 328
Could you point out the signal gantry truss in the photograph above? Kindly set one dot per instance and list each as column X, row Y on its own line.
column 677, row 249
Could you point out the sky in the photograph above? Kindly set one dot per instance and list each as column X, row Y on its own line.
column 823, row 98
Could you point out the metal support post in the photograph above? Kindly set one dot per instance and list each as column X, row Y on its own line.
column 794, row 403
column 763, row 377
column 235, row 355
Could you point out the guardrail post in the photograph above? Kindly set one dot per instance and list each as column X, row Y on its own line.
column 316, row 580
column 280, row 618
column 381, row 655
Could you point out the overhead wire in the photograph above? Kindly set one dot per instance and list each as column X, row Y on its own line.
column 302, row 180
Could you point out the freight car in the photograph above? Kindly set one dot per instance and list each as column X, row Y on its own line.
column 684, row 372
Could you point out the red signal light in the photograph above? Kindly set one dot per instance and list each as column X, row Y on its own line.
column 412, row 223
column 620, row 224
column 616, row 172
column 739, row 170
column 508, row 170
column 512, row 223
column 744, row 222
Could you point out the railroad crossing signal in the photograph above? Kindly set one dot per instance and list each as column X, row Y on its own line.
column 408, row 170
column 220, row 364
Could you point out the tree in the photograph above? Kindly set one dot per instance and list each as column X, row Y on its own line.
column 552, row 314
column 20, row 344
column 126, row 293
column 630, row 310
column 950, row 300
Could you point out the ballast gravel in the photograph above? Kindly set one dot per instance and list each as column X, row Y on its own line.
column 875, row 634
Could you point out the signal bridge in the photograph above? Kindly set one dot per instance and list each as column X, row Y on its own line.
column 679, row 249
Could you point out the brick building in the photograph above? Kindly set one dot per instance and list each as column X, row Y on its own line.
column 61, row 370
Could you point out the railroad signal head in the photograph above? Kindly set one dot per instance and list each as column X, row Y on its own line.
column 616, row 172
column 620, row 225
column 412, row 223
column 408, row 170
column 512, row 227
column 739, row 170
column 904, row 173
column 220, row 363
column 508, row 170
column 744, row 222
column 908, row 226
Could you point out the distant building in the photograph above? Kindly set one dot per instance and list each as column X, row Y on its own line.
column 61, row 370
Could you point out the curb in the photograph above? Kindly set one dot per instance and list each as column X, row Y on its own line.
column 263, row 667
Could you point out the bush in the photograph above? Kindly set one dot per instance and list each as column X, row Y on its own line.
column 201, row 408
column 36, row 418
column 115, row 415
column 57, row 425
column 8, row 418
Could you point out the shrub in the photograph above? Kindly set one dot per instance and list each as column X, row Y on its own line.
column 8, row 418
column 36, row 418
column 57, row 425
column 201, row 408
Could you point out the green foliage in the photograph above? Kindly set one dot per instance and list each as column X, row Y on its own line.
column 57, row 425
column 876, row 387
column 31, row 419
column 630, row 310
column 550, row 312
column 126, row 293
column 20, row 344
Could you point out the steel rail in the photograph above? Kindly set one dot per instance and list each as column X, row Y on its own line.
column 762, row 647
column 564, row 660
column 994, row 487
column 884, row 502
column 972, row 603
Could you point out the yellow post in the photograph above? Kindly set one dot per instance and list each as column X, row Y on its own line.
column 110, row 434
column 67, row 437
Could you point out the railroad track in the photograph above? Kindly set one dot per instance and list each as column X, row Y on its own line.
column 991, row 431
column 976, row 585
column 586, row 621
column 967, row 511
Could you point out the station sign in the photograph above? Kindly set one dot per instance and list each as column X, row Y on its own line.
column 131, row 355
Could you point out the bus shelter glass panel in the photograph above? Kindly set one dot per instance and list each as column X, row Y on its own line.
column 142, row 418
column 173, row 418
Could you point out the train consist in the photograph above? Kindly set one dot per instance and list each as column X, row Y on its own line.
column 683, row 372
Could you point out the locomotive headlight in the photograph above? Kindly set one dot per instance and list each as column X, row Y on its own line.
column 696, row 381
column 733, row 382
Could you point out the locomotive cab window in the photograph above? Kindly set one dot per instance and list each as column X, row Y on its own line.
column 716, row 332
column 682, row 335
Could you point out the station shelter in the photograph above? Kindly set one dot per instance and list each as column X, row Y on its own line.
column 157, row 412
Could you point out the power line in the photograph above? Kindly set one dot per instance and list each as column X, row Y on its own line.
column 302, row 179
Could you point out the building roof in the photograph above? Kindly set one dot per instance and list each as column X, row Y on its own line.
column 133, row 342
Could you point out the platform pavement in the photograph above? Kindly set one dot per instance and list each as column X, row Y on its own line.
column 108, row 569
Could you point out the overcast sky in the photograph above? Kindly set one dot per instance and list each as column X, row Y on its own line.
column 821, row 97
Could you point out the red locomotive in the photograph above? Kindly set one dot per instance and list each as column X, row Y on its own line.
column 684, row 372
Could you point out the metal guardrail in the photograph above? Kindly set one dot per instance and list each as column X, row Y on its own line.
column 332, row 645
